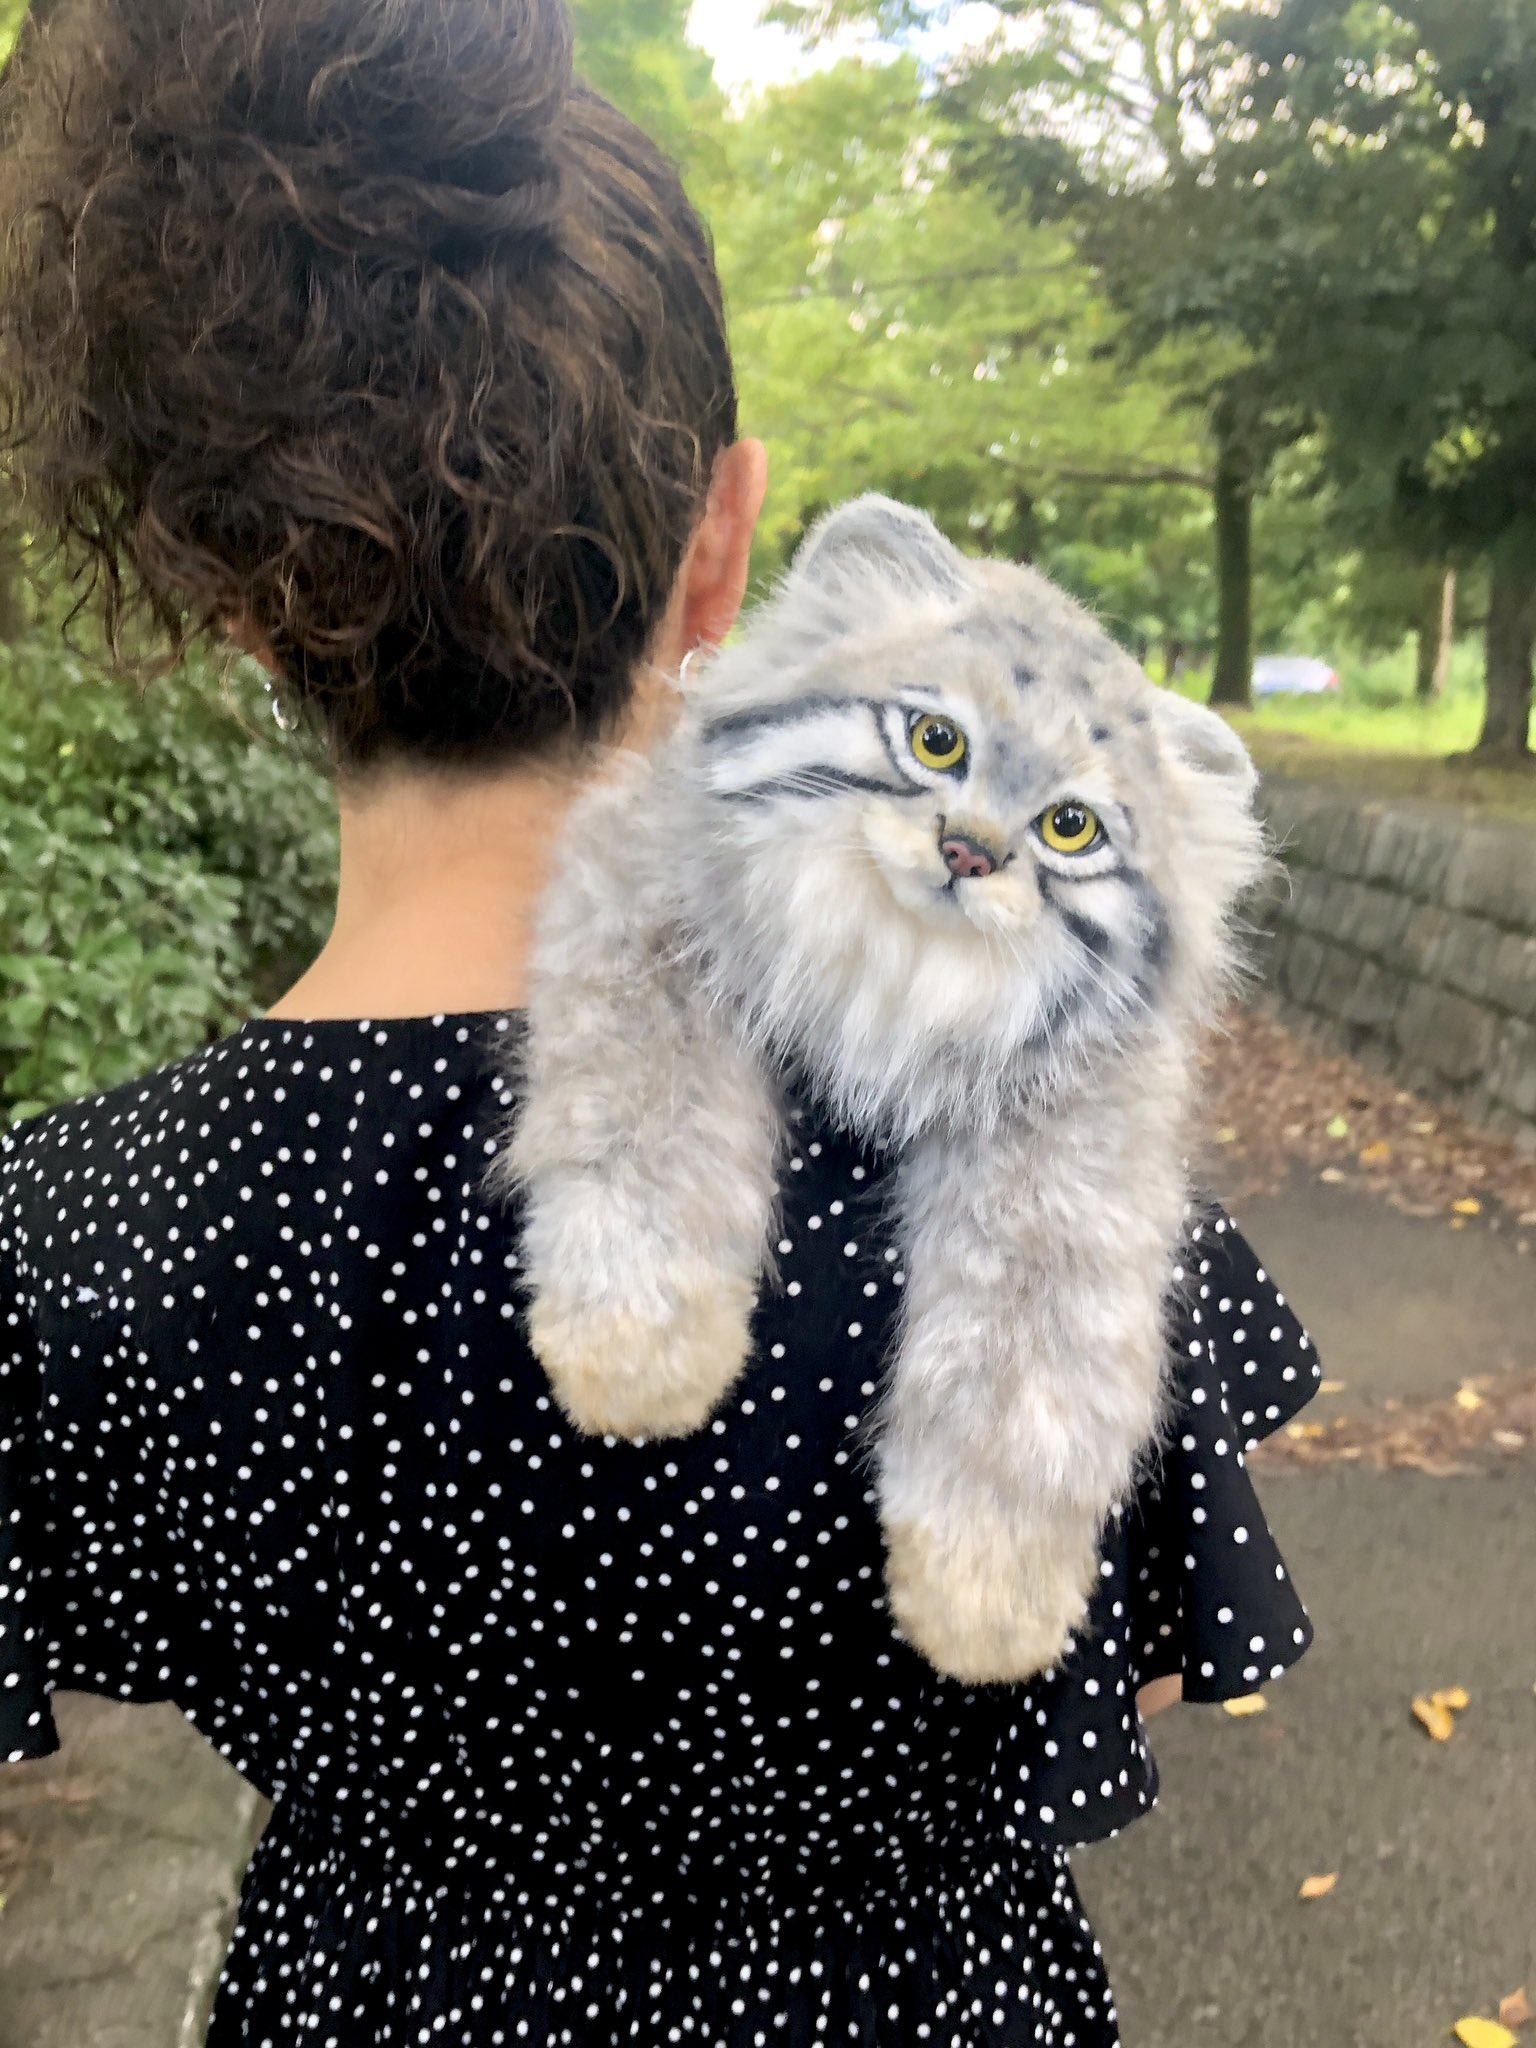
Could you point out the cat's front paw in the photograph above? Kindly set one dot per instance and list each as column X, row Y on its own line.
column 981, row 1602
column 615, row 1373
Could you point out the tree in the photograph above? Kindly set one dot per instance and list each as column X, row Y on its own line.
column 1098, row 115
column 1435, row 631
column 637, row 54
column 895, row 329
column 1377, row 214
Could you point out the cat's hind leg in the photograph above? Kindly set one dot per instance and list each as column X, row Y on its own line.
column 1027, row 1389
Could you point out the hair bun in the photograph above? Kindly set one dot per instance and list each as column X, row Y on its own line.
column 380, row 159
column 343, row 111
column 362, row 325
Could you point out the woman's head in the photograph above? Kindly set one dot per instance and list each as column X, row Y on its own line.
column 363, row 330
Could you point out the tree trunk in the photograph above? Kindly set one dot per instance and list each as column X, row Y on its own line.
column 1173, row 658
column 1232, row 682
column 1511, row 633
column 1447, row 629
column 1436, row 632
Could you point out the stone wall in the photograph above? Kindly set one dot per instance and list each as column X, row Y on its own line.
column 1408, row 932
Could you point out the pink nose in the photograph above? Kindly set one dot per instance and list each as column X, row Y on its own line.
column 966, row 858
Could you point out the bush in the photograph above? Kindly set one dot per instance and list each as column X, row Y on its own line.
column 167, row 866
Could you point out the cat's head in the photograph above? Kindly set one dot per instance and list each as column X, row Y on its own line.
column 959, row 845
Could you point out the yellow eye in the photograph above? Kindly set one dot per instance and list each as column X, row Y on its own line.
column 1070, row 828
column 937, row 742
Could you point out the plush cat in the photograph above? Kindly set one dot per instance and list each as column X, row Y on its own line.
column 929, row 839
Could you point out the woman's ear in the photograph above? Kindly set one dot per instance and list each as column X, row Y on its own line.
column 240, row 632
column 714, row 575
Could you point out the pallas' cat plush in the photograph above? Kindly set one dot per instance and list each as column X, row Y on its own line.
column 928, row 839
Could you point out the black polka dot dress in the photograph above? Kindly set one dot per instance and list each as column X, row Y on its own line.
column 570, row 1741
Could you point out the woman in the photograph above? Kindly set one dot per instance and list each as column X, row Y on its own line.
column 360, row 332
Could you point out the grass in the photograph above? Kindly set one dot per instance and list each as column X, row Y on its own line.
column 1373, row 736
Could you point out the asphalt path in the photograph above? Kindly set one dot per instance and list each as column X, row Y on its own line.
column 1415, row 1584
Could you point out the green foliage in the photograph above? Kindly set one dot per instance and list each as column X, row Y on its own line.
column 895, row 330
column 1372, row 220
column 636, row 54
column 1376, row 708
column 166, row 865
column 12, row 14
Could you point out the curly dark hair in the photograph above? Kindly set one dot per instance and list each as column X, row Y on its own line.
column 365, row 330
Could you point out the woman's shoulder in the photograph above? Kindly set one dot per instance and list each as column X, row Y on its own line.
column 271, row 1085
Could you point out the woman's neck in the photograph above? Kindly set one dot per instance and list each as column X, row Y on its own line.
column 440, row 880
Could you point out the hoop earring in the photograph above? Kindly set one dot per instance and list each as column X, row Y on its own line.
column 687, row 662
column 283, row 718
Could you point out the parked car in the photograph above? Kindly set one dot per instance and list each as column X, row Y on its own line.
column 1292, row 675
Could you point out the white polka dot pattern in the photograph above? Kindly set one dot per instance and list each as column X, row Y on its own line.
column 570, row 1741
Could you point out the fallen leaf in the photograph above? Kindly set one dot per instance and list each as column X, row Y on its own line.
column 1282, row 1092
column 1318, row 1887
column 1456, row 1697
column 1476, row 2033
column 1516, row 2010
column 1249, row 1703
column 1435, row 1466
column 1377, row 1154
column 1308, row 1431
column 1331, row 1386
column 1226, row 1136
column 1332, row 1175
column 1509, row 1439
column 1469, row 1400
column 1339, row 1128
column 1469, row 1205
column 1435, row 1719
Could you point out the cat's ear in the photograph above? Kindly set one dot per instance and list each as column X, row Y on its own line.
column 891, row 539
column 1205, row 740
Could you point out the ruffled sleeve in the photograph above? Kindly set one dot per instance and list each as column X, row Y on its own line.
column 26, row 1716
column 1191, row 1580
column 1210, row 1596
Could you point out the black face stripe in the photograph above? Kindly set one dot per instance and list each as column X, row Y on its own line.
column 735, row 725
column 816, row 782
column 1074, row 877
column 1093, row 937
column 1150, row 946
column 1158, row 942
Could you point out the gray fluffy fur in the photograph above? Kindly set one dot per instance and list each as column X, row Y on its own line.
column 768, row 890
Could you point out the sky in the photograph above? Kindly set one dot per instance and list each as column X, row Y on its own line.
column 746, row 55
column 750, row 57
